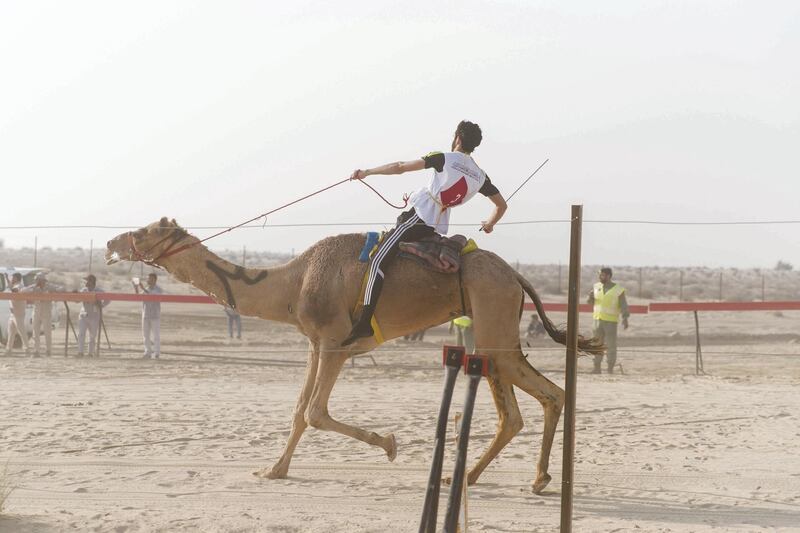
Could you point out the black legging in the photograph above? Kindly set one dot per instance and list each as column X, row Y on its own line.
column 409, row 228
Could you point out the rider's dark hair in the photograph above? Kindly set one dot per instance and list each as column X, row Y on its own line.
column 470, row 134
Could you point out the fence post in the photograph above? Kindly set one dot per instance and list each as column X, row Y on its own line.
column 640, row 282
column 680, row 290
column 571, row 368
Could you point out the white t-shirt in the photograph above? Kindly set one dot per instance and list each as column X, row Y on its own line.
column 456, row 179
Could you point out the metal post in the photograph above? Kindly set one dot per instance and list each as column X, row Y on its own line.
column 571, row 368
column 763, row 287
column 559, row 277
column 453, row 358
column 698, row 357
column 640, row 282
column 35, row 249
column 244, row 256
column 475, row 367
column 67, row 327
column 680, row 290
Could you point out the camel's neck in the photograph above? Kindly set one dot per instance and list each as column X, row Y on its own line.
column 266, row 293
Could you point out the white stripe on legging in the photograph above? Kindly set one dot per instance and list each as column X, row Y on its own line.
column 374, row 267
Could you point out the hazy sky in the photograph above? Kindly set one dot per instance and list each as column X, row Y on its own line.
column 115, row 114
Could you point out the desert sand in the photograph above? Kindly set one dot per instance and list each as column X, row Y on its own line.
column 125, row 444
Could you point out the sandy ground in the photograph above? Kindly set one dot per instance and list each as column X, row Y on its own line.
column 124, row 444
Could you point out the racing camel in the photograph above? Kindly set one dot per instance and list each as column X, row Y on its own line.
column 317, row 293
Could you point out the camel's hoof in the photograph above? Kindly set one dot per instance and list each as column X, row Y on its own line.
column 270, row 473
column 391, row 452
column 540, row 483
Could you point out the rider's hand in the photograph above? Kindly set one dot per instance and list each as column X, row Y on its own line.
column 358, row 175
column 486, row 227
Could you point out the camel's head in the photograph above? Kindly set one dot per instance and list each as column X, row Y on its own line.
column 146, row 244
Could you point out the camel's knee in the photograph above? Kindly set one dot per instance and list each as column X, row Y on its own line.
column 511, row 426
column 316, row 417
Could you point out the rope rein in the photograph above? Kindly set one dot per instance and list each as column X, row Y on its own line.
column 168, row 251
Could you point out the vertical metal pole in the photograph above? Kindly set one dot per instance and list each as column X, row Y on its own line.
column 698, row 357
column 640, row 282
column 763, row 287
column 453, row 358
column 571, row 367
column 474, row 371
column 720, row 285
column 67, row 327
column 680, row 290
column 559, row 277
column 35, row 249
column 244, row 256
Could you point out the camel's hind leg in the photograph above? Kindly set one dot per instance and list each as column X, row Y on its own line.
column 551, row 396
column 509, row 424
column 330, row 364
column 281, row 468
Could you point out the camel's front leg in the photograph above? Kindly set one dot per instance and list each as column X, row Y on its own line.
column 330, row 364
column 281, row 468
column 551, row 396
column 509, row 424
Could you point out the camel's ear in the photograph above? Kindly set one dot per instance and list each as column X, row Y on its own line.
column 175, row 223
column 163, row 224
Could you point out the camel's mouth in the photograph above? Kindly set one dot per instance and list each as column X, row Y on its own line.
column 112, row 257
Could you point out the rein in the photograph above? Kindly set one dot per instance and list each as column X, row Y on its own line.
column 139, row 256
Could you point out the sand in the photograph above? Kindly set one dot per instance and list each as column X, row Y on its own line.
column 125, row 444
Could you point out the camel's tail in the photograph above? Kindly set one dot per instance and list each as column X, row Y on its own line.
column 588, row 346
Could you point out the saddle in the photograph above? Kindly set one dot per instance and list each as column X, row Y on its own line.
column 438, row 253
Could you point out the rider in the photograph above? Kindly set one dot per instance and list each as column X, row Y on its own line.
column 456, row 179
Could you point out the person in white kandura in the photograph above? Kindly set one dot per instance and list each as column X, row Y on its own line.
column 456, row 179
column 16, row 319
column 42, row 314
column 151, row 317
column 89, row 317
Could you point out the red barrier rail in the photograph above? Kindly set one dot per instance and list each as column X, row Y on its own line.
column 724, row 306
column 584, row 308
column 106, row 296
column 655, row 307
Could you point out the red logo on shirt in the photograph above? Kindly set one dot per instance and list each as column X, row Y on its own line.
column 455, row 194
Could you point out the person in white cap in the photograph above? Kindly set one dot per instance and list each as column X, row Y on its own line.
column 151, row 317
column 42, row 314
column 16, row 319
column 89, row 317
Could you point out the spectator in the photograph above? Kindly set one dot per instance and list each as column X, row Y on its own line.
column 535, row 328
column 16, row 319
column 151, row 316
column 42, row 314
column 89, row 317
column 234, row 318
column 609, row 302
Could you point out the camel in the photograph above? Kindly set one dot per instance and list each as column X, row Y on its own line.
column 317, row 293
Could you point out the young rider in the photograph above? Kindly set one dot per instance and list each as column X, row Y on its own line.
column 456, row 179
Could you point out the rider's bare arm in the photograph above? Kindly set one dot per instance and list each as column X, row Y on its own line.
column 500, row 207
column 398, row 167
